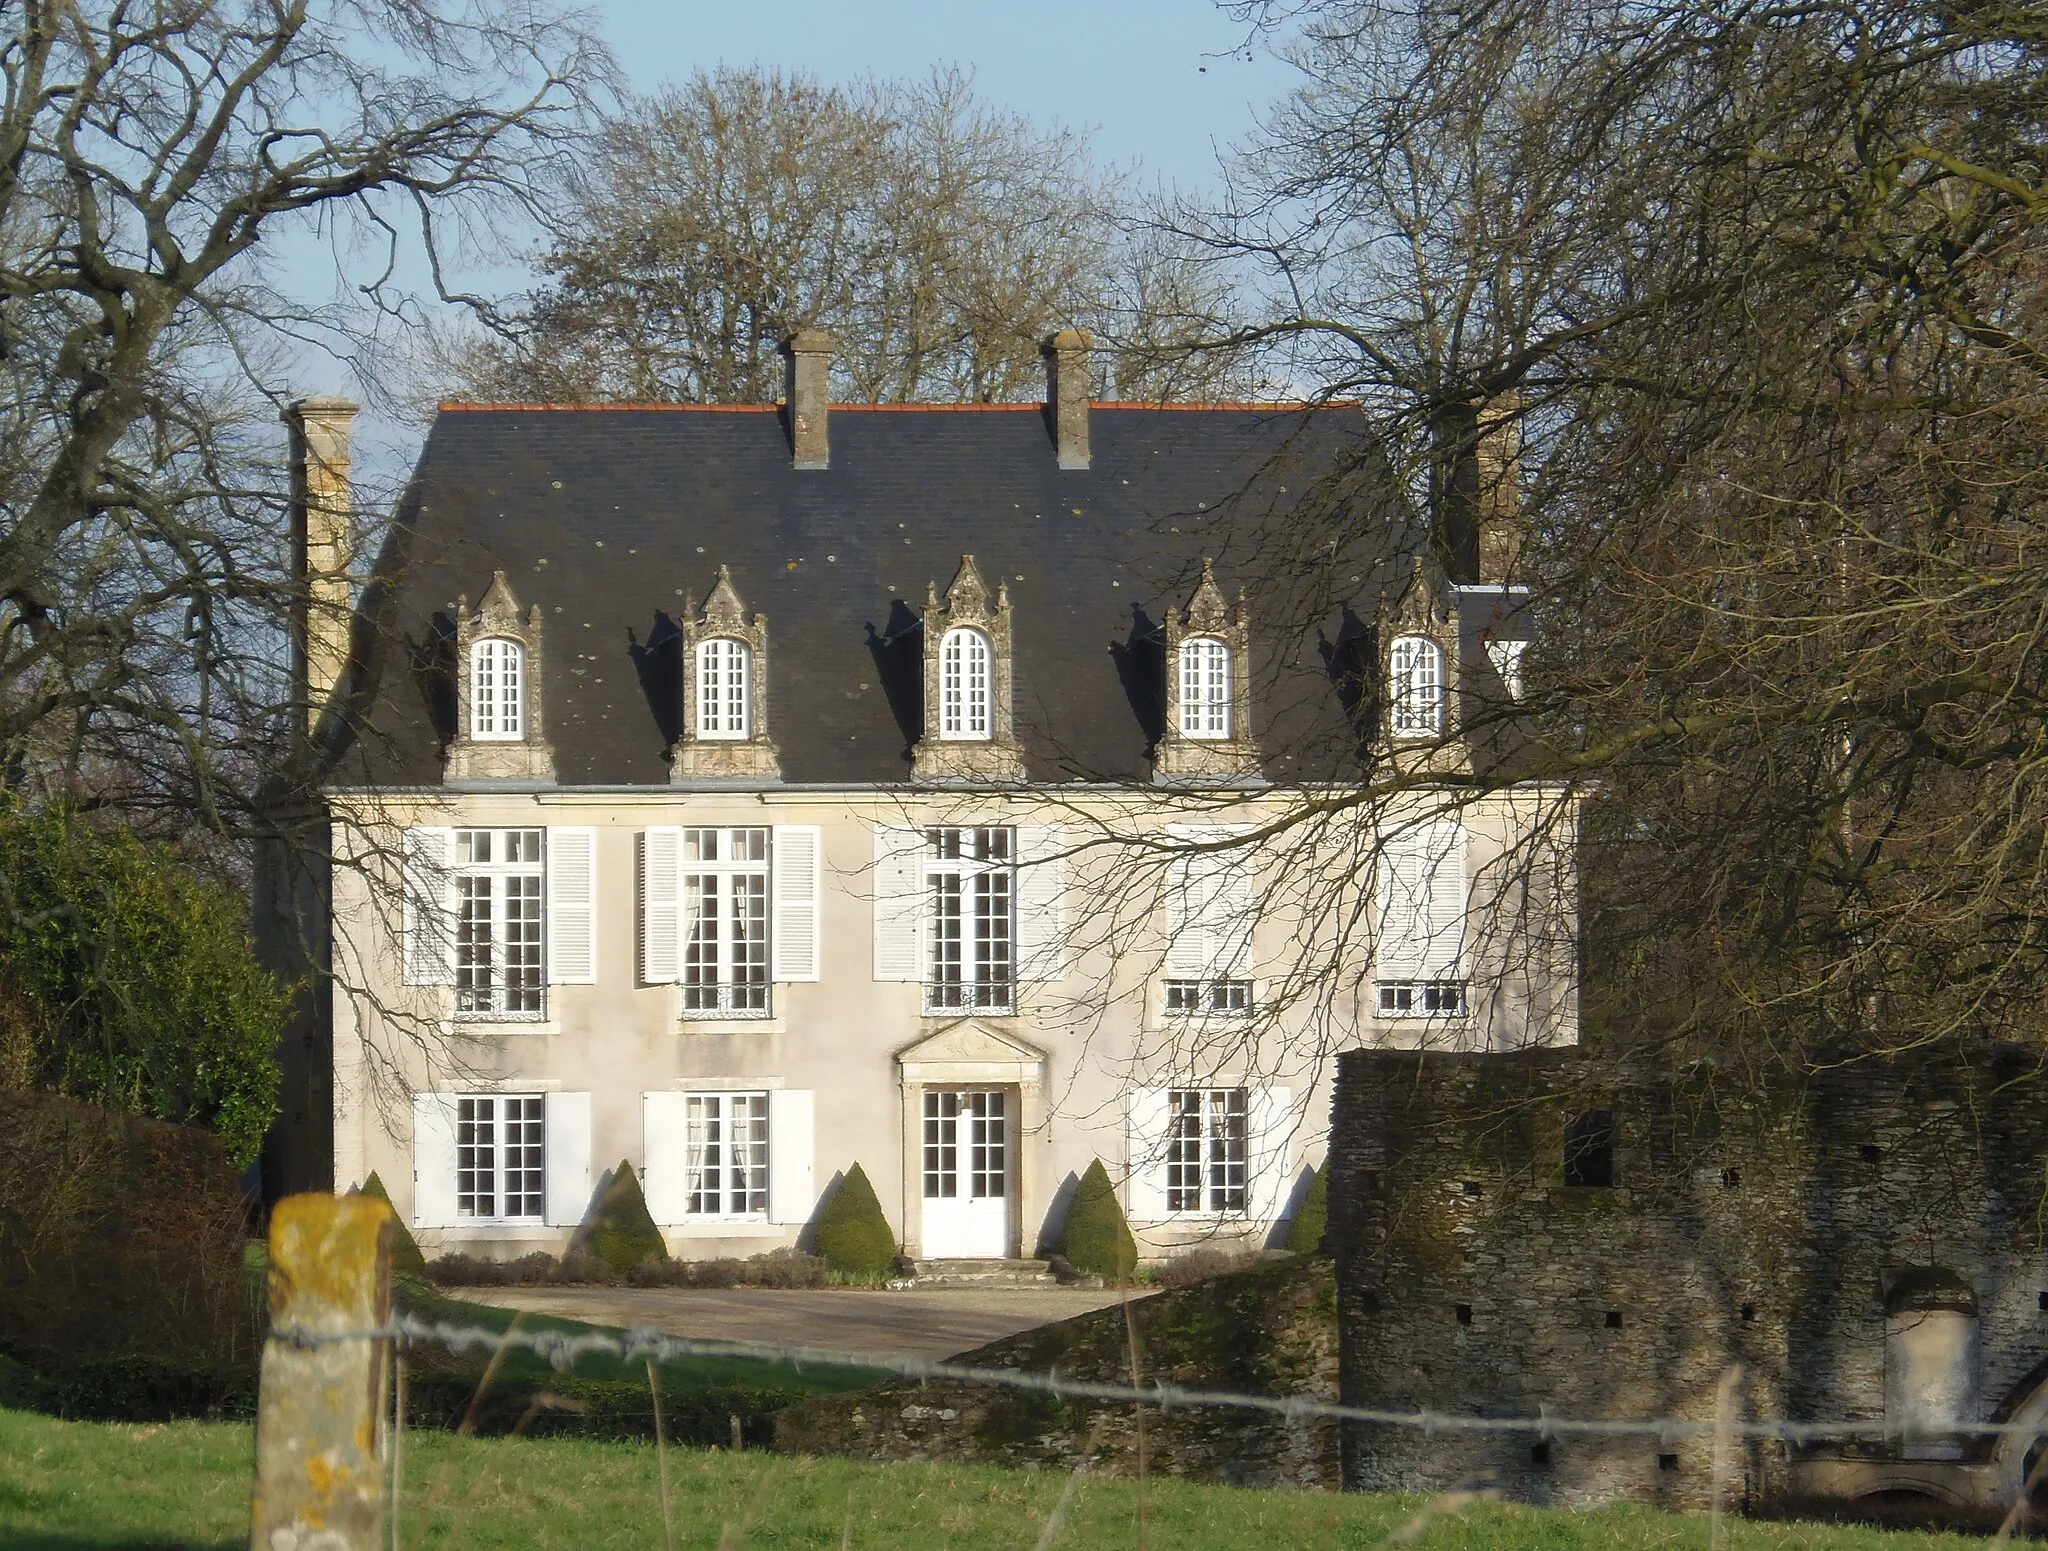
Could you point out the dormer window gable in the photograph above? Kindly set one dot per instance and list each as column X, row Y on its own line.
column 967, row 683
column 724, row 736
column 1421, row 672
column 1207, row 737
column 498, row 712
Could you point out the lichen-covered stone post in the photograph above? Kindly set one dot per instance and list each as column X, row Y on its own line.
column 319, row 1418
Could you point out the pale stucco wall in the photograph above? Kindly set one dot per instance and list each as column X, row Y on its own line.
column 1100, row 1031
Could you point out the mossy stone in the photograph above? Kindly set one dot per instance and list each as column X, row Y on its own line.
column 853, row 1236
column 406, row 1259
column 1312, row 1221
column 620, row 1231
column 1097, row 1239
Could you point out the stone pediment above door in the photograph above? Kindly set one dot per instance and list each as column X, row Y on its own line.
column 970, row 1052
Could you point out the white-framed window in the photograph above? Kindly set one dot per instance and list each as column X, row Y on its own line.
column 1209, row 998
column 1415, row 686
column 500, row 952
column 497, row 683
column 964, row 678
column 971, row 890
column 722, row 668
column 725, row 923
column 501, row 1172
column 1204, row 688
column 1422, row 998
column 1206, row 1150
column 726, row 1172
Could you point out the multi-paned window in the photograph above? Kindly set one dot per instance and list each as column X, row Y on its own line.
column 725, row 923
column 1422, row 998
column 1415, row 686
column 722, row 668
column 727, row 1139
column 971, row 882
column 1205, row 1150
column 501, row 1158
column 964, row 684
column 1229, row 998
column 982, row 1116
column 1204, row 688
column 497, row 671
column 500, row 879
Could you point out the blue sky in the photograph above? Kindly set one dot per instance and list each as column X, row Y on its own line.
column 1159, row 80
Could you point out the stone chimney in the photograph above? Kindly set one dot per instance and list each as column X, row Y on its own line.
column 1066, row 394
column 323, row 545
column 1477, row 490
column 809, row 354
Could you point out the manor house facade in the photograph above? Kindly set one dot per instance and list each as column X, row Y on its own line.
column 743, row 793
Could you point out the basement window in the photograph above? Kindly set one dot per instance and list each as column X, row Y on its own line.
column 1539, row 1452
column 1667, row 1461
column 1589, row 1149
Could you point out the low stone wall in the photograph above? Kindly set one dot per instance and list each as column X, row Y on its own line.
column 1270, row 1330
column 1781, row 1230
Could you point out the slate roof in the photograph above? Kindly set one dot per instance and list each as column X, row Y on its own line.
column 615, row 521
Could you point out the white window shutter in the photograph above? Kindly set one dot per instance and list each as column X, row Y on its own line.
column 1041, row 902
column 572, row 906
column 898, row 885
column 1145, row 1197
column 568, row 1158
column 794, row 943
column 429, row 867
column 661, row 914
column 792, row 1190
column 1269, row 1129
column 1421, row 902
column 664, row 1155
column 1444, row 952
column 1210, row 905
column 433, row 1160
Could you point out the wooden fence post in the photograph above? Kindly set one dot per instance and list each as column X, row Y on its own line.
column 320, row 1411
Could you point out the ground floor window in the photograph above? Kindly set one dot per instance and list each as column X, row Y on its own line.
column 1205, row 1152
column 727, row 1137
column 501, row 1158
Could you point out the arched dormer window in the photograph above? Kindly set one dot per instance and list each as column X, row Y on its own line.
column 723, row 667
column 1415, row 686
column 964, row 685
column 497, row 688
column 1205, row 687
column 499, row 671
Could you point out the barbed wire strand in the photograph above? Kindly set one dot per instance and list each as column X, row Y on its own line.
column 563, row 1351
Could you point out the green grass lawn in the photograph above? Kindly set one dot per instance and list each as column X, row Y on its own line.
column 76, row 1486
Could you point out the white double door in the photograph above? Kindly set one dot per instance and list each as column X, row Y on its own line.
column 966, row 1171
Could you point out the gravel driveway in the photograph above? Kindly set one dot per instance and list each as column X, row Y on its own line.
column 933, row 1322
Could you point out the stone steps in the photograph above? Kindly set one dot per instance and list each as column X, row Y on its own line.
column 980, row 1273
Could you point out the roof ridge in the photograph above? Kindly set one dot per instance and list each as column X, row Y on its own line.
column 467, row 406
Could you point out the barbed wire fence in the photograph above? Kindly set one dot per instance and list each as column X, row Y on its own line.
column 319, row 1327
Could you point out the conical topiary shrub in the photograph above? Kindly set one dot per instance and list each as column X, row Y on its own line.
column 1097, row 1239
column 619, row 1230
column 853, row 1237
column 406, row 1259
column 1305, row 1233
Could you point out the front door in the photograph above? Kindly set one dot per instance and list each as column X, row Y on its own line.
column 966, row 1174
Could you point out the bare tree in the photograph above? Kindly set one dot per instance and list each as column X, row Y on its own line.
column 1760, row 288
column 938, row 238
